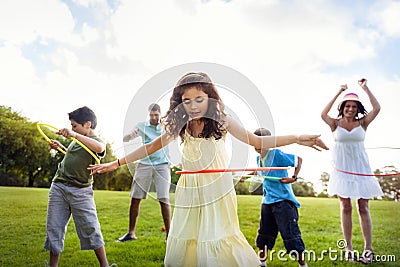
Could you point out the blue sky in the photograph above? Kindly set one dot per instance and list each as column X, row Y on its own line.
column 59, row 55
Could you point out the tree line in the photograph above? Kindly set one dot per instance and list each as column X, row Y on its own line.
column 26, row 160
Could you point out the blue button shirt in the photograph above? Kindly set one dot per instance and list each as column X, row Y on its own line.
column 273, row 190
column 148, row 133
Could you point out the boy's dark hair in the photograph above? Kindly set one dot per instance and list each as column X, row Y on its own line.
column 154, row 107
column 262, row 132
column 82, row 115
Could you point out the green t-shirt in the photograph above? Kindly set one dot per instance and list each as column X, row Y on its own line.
column 72, row 170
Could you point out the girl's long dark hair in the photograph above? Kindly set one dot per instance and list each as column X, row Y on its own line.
column 176, row 120
column 360, row 109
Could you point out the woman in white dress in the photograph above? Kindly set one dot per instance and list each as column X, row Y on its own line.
column 349, row 159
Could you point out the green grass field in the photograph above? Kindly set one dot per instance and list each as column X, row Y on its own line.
column 23, row 219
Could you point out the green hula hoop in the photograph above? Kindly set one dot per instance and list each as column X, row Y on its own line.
column 263, row 176
column 39, row 125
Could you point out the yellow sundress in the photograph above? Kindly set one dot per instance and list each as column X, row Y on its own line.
column 205, row 227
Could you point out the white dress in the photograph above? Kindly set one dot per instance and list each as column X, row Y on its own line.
column 205, row 226
column 349, row 155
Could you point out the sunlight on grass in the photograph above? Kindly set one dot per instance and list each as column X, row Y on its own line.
column 23, row 223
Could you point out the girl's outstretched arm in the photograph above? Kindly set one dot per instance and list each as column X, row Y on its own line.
column 140, row 152
column 266, row 142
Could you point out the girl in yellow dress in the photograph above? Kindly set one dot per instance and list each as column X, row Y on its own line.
column 205, row 227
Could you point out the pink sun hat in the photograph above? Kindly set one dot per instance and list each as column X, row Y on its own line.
column 349, row 96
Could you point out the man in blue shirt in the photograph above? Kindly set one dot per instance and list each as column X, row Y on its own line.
column 152, row 168
column 279, row 204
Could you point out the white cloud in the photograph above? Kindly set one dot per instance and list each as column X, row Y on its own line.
column 19, row 84
column 387, row 19
column 23, row 21
column 274, row 35
column 285, row 48
column 90, row 3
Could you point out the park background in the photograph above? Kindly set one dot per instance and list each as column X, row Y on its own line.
column 59, row 55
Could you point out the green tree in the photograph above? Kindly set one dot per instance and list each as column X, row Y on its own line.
column 390, row 184
column 101, row 181
column 26, row 158
column 324, row 182
column 242, row 188
column 302, row 188
column 121, row 179
column 24, row 154
column 174, row 176
column 118, row 180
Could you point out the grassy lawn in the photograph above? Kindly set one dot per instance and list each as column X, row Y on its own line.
column 23, row 219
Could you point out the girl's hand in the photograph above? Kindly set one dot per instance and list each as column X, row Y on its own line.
column 101, row 168
column 67, row 133
column 312, row 141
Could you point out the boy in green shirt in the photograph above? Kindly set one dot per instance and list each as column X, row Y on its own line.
column 71, row 191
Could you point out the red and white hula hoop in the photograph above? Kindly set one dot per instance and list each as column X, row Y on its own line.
column 232, row 170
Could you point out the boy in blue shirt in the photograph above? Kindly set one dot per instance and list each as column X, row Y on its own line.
column 279, row 205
